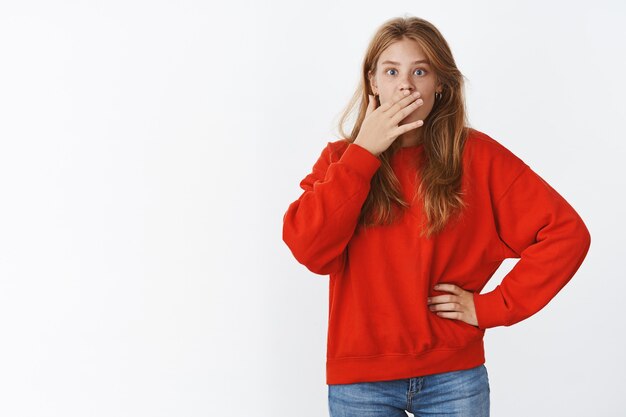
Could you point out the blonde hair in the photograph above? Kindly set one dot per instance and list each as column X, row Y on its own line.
column 444, row 132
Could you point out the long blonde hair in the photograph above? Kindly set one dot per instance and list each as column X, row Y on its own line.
column 444, row 132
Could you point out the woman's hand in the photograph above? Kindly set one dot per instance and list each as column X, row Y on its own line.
column 380, row 125
column 458, row 305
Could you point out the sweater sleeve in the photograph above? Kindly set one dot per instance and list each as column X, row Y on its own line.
column 319, row 224
column 537, row 225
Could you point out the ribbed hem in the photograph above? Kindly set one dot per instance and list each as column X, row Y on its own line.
column 389, row 367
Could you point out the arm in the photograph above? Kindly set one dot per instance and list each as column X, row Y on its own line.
column 537, row 225
column 319, row 224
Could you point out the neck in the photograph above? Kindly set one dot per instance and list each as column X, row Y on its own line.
column 410, row 138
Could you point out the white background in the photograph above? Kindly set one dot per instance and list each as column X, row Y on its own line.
column 149, row 149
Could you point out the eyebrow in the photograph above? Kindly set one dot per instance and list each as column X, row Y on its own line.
column 423, row 61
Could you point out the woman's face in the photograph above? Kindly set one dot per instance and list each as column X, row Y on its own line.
column 403, row 65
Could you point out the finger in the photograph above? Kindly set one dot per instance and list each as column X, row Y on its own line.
column 397, row 99
column 398, row 95
column 446, row 298
column 446, row 307
column 404, row 112
column 408, row 126
column 454, row 289
column 450, row 315
column 404, row 94
column 403, row 102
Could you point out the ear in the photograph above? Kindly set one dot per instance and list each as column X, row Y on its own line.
column 372, row 81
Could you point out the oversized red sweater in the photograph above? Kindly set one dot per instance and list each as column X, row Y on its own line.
column 380, row 326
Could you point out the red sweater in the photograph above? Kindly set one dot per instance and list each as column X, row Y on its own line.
column 380, row 326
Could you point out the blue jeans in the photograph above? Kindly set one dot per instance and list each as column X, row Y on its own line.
column 455, row 393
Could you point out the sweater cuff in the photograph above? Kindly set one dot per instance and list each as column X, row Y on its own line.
column 360, row 160
column 488, row 309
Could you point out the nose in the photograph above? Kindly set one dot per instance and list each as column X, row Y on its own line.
column 406, row 86
column 404, row 82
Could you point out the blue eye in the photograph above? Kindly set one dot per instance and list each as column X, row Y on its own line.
column 423, row 72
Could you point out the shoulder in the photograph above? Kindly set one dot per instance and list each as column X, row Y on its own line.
column 482, row 143
column 482, row 149
column 491, row 165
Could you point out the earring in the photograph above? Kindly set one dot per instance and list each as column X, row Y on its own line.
column 438, row 96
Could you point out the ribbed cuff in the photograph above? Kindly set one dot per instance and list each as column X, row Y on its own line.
column 487, row 309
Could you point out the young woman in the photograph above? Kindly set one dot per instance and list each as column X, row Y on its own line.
column 410, row 215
